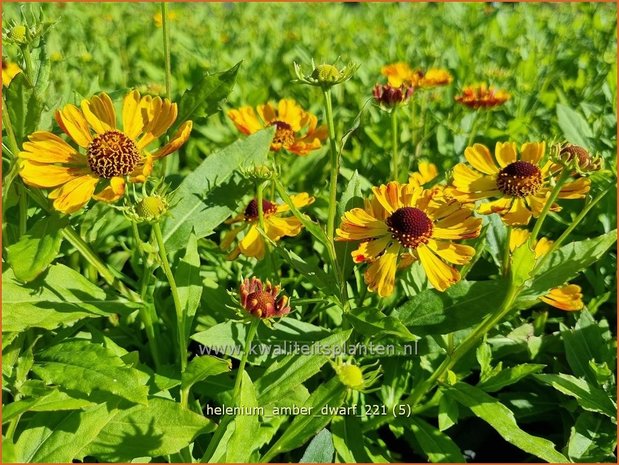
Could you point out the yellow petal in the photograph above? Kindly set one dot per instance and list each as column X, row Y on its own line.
column 505, row 153
column 267, row 113
column 75, row 194
column 9, row 71
column 479, row 157
column 45, row 147
column 358, row 225
column 370, row 250
column 290, row 112
column 576, row 189
column 458, row 254
column 177, row 141
column 542, row 247
column 500, row 206
column 162, row 114
column 425, row 173
column 72, row 122
column 517, row 237
column 245, row 120
column 143, row 170
column 518, row 214
column 532, row 152
column 299, row 201
column 113, row 192
column 380, row 275
column 252, row 245
column 568, row 298
column 440, row 275
column 99, row 112
column 44, row 176
column 279, row 227
column 134, row 119
column 230, row 236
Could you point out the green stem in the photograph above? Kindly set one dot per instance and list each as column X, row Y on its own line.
column 548, row 205
column 29, row 66
column 556, row 244
column 506, row 252
column 251, row 332
column 259, row 199
column 395, row 153
column 8, row 127
column 465, row 346
column 180, row 317
column 166, row 50
column 334, row 165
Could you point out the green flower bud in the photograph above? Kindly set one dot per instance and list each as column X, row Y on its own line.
column 18, row 34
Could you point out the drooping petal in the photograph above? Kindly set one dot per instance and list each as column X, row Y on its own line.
column 245, row 120
column 44, row 175
column 99, row 112
column 380, row 275
column 458, row 254
column 576, row 189
column 499, row 206
column 45, row 147
column 517, row 237
column 568, row 298
column 358, row 225
column 277, row 227
column 370, row 250
column 298, row 200
column 177, row 141
column 72, row 122
column 480, row 158
column 113, row 192
column 162, row 115
column 440, row 274
column 73, row 195
column 518, row 214
column 252, row 245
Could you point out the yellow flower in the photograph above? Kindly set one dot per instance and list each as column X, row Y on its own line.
column 404, row 222
column 520, row 185
column 276, row 226
column 426, row 172
column 112, row 156
column 296, row 129
column 399, row 74
column 9, row 71
column 435, row 77
column 482, row 96
column 568, row 297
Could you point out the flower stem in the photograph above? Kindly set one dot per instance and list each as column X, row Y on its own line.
column 166, row 49
column 473, row 131
column 548, row 205
column 180, row 317
column 465, row 346
column 335, row 168
column 251, row 332
column 395, row 153
column 505, row 263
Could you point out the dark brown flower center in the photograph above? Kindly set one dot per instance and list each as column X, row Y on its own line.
column 410, row 226
column 112, row 154
column 519, row 179
column 284, row 134
column 261, row 303
column 251, row 211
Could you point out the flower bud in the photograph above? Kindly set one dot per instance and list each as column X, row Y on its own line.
column 388, row 96
column 18, row 34
column 325, row 75
column 261, row 300
column 151, row 207
column 581, row 159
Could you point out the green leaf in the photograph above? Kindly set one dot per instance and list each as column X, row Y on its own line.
column 35, row 251
column 59, row 297
column 352, row 197
column 324, row 403
column 574, row 125
column 23, row 106
column 509, row 376
column 448, row 413
column 564, row 264
column 189, row 282
column 87, row 367
column 371, row 322
column 502, row 420
column 522, row 263
column 593, row 440
column 588, row 396
column 201, row 368
column 246, row 426
column 61, row 437
column 53, row 401
column 160, row 428
column 437, row 446
column 463, row 305
column 208, row 195
column 311, row 272
column 320, row 449
column 287, row 374
column 349, row 439
column 204, row 98
column 583, row 344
